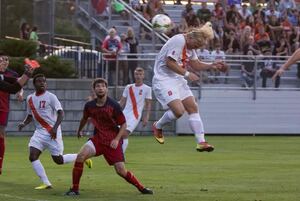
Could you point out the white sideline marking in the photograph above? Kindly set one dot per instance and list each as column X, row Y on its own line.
column 18, row 197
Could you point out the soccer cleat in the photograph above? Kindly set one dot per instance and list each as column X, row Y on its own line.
column 43, row 187
column 146, row 191
column 89, row 163
column 72, row 193
column 204, row 146
column 158, row 134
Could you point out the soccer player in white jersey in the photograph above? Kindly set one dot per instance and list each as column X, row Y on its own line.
column 45, row 109
column 170, row 81
column 135, row 98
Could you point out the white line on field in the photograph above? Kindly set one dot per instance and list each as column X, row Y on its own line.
column 18, row 197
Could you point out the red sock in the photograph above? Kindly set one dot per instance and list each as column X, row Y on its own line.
column 130, row 178
column 77, row 172
column 2, row 150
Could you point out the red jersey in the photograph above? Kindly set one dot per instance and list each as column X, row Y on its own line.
column 106, row 119
column 4, row 96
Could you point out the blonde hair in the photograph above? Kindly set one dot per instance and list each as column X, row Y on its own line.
column 201, row 35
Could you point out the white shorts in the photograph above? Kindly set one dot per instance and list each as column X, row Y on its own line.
column 131, row 122
column 167, row 91
column 42, row 142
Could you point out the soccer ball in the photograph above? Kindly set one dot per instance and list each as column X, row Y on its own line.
column 161, row 23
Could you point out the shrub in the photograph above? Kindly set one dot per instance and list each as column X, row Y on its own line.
column 18, row 48
column 52, row 67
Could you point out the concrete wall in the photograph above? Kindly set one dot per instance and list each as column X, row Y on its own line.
column 72, row 94
column 222, row 111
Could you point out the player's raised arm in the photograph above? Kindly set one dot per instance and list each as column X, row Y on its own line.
column 293, row 59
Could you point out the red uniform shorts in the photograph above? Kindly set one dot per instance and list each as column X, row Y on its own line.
column 3, row 118
column 111, row 155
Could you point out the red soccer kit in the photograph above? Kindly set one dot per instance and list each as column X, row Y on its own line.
column 106, row 120
column 4, row 99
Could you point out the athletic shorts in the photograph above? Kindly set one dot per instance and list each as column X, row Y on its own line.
column 111, row 155
column 43, row 142
column 3, row 118
column 131, row 122
column 170, row 90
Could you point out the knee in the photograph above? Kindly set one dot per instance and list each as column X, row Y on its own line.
column 58, row 160
column 121, row 172
column 80, row 158
column 178, row 113
column 33, row 157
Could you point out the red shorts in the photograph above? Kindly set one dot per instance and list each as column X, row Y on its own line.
column 111, row 155
column 3, row 118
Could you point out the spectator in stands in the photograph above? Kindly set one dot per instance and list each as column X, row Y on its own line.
column 293, row 16
column 191, row 19
column 232, row 15
column 247, row 71
column 187, row 9
column 123, row 63
column 274, row 27
column 183, row 26
column 117, row 37
column 25, row 31
column 263, row 40
column 251, row 46
column 281, row 47
column 218, row 55
column 245, row 36
column 231, row 44
column 219, row 15
column 204, row 55
column 204, row 13
column 268, row 69
column 294, row 39
column 245, row 12
column 271, row 11
column 111, row 46
column 133, row 44
column 286, row 4
column 34, row 37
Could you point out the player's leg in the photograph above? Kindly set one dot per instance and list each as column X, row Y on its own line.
column 130, row 178
column 87, row 151
column 3, row 124
column 196, row 124
column 176, row 110
column 2, row 146
column 125, row 141
column 38, row 167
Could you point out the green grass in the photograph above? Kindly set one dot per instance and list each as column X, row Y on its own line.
column 240, row 169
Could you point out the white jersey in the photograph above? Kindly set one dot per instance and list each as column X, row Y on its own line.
column 140, row 94
column 175, row 48
column 46, row 106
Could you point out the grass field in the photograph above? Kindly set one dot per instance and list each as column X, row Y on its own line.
column 240, row 169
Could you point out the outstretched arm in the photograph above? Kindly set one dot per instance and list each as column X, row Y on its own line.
column 293, row 59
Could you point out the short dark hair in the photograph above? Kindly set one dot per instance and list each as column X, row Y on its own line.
column 99, row 80
column 139, row 69
column 37, row 76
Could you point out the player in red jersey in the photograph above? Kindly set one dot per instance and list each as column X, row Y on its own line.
column 110, row 125
column 9, row 84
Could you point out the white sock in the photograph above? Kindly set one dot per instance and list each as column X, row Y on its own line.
column 166, row 118
column 197, row 127
column 69, row 158
column 124, row 145
column 40, row 171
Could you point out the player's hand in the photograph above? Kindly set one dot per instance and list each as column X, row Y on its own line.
column 53, row 132
column 279, row 72
column 144, row 122
column 114, row 143
column 193, row 77
column 20, row 97
column 21, row 126
column 79, row 134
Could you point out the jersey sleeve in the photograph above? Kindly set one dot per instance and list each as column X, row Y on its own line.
column 86, row 113
column 125, row 92
column 149, row 93
column 175, row 50
column 55, row 103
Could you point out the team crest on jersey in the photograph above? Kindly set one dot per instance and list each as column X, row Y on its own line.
column 141, row 92
column 170, row 93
